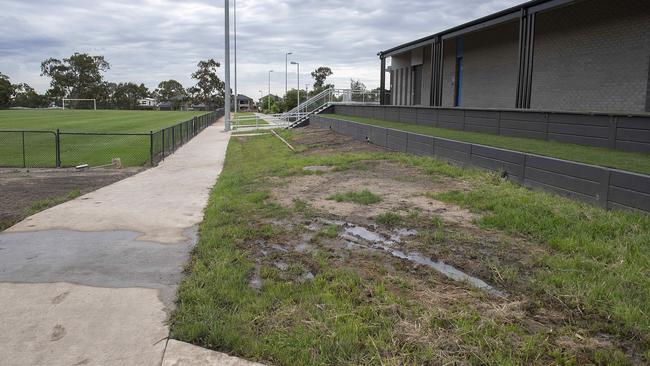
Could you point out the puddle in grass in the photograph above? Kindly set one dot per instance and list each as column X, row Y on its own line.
column 351, row 233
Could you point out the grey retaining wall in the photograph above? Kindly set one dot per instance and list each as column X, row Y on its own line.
column 605, row 187
column 616, row 131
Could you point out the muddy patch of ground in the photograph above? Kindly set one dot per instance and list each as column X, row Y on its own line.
column 401, row 188
column 21, row 188
column 430, row 252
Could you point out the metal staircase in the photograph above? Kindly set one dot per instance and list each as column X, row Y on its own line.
column 300, row 114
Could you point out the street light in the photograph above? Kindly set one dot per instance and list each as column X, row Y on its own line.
column 226, row 106
column 234, row 6
column 286, row 72
column 298, row 75
column 269, row 96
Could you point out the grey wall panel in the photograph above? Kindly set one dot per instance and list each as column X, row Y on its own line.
column 579, row 130
column 419, row 144
column 392, row 114
column 451, row 118
column 629, row 189
column 593, row 184
column 426, row 116
column 578, row 119
column 407, row 115
column 380, row 113
column 578, row 170
column 377, row 136
column 633, row 146
column 633, row 135
column 396, row 140
column 637, row 123
column 559, row 190
column 563, row 181
column 452, row 150
column 482, row 121
column 582, row 140
column 629, row 133
column 499, row 159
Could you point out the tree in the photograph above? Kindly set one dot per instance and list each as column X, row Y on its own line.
column 78, row 76
column 320, row 75
column 126, row 95
column 269, row 100
column 6, row 91
column 171, row 91
column 26, row 96
column 209, row 89
column 358, row 91
column 290, row 99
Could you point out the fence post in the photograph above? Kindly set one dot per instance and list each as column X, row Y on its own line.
column 57, row 147
column 173, row 138
column 163, row 142
column 151, row 148
column 24, row 165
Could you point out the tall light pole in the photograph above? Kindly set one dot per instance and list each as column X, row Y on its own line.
column 234, row 9
column 298, row 75
column 286, row 72
column 226, row 106
column 268, row 97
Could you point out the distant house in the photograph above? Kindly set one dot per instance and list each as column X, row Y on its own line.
column 245, row 104
column 147, row 103
column 198, row 107
column 165, row 106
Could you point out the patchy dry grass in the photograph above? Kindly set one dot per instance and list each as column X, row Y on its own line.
column 283, row 275
column 363, row 197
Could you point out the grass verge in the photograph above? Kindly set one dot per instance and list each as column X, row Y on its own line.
column 595, row 268
column 363, row 197
column 44, row 204
column 634, row 162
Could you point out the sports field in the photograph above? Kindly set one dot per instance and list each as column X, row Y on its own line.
column 37, row 149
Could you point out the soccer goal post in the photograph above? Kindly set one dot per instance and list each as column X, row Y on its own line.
column 77, row 99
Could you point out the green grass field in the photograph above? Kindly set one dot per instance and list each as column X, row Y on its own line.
column 635, row 162
column 586, row 263
column 39, row 147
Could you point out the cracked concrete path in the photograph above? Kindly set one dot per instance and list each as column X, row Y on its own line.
column 92, row 281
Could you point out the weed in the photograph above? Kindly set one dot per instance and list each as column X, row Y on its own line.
column 363, row 197
column 389, row 218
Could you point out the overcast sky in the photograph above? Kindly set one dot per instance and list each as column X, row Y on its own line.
column 153, row 40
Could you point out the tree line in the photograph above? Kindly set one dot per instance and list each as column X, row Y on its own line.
column 81, row 76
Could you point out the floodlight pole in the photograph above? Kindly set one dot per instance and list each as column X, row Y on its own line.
column 286, row 72
column 234, row 4
column 269, row 96
column 298, row 90
column 226, row 106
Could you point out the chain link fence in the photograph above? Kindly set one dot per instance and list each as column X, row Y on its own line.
column 47, row 149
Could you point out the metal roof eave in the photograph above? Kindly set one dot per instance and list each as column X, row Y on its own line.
column 480, row 23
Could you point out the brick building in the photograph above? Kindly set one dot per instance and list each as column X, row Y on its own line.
column 554, row 55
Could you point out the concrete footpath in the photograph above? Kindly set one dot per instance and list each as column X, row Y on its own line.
column 92, row 281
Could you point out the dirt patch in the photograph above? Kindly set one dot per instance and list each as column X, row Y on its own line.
column 384, row 178
column 322, row 142
column 451, row 271
column 20, row 188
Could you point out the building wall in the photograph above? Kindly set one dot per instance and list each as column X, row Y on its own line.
column 400, row 65
column 593, row 56
column 426, row 77
column 448, row 72
column 490, row 67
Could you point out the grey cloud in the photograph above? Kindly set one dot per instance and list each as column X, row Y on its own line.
column 153, row 40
